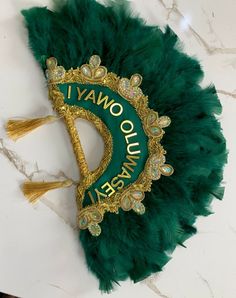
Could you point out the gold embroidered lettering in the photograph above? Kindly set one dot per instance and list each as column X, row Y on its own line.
column 125, row 174
column 132, row 163
column 104, row 100
column 109, row 189
column 81, row 93
column 99, row 194
column 119, row 184
column 134, row 152
column 120, row 109
column 124, row 127
column 69, row 92
column 91, row 96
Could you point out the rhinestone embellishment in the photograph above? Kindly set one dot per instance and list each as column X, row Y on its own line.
column 130, row 88
column 54, row 73
column 90, row 219
column 93, row 71
column 131, row 200
column 94, row 229
column 157, row 166
column 139, row 208
column 154, row 125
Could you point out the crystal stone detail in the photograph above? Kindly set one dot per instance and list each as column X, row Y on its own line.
column 158, row 159
column 59, row 73
column 94, row 229
column 157, row 166
column 139, row 208
column 95, row 61
column 154, row 173
column 153, row 168
column 137, row 195
column 167, row 170
column 152, row 118
column 154, row 124
column 136, row 80
column 54, row 72
column 164, row 121
column 100, row 72
column 51, row 63
column 83, row 222
column 129, row 91
column 126, row 203
column 93, row 71
column 86, row 71
column 156, row 131
column 95, row 215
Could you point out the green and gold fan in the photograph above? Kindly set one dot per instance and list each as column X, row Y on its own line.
column 163, row 147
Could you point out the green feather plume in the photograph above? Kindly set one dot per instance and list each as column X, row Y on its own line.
column 133, row 246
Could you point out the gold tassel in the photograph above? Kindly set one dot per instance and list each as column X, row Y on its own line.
column 34, row 190
column 19, row 128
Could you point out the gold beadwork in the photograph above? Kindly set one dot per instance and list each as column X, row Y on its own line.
column 131, row 196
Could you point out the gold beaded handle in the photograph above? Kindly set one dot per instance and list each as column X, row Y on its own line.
column 77, row 147
column 54, row 70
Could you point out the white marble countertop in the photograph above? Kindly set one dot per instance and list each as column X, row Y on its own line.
column 40, row 255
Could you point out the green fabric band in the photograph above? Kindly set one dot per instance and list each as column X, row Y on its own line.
column 130, row 148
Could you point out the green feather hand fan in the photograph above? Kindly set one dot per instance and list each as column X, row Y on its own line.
column 164, row 150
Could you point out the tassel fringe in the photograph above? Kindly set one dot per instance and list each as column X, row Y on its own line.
column 34, row 190
column 19, row 128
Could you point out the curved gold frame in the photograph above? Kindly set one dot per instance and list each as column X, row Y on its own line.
column 131, row 196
